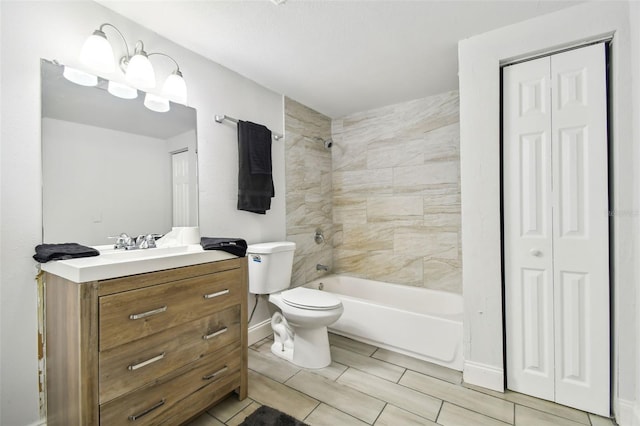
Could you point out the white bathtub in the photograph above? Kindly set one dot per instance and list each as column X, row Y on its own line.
column 423, row 323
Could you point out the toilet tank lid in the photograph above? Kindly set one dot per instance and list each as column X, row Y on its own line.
column 275, row 247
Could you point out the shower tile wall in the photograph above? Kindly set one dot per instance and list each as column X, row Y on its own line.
column 396, row 193
column 309, row 189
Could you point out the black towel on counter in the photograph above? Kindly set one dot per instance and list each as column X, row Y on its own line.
column 47, row 252
column 255, row 183
column 235, row 246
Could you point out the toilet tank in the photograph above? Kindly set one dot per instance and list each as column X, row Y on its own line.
column 270, row 266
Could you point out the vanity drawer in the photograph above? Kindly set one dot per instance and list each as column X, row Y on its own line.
column 128, row 367
column 135, row 314
column 152, row 405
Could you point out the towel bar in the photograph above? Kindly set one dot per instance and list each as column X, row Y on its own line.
column 221, row 118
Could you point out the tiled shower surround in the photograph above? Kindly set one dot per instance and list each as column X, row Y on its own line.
column 308, row 177
column 393, row 195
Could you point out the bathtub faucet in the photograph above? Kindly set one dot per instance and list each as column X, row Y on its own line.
column 321, row 267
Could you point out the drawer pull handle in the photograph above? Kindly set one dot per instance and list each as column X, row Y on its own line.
column 148, row 313
column 147, row 362
column 212, row 375
column 216, row 294
column 147, row 411
column 214, row 334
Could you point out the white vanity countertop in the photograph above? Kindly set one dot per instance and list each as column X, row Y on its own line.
column 119, row 263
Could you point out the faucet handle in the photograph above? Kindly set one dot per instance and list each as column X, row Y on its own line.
column 122, row 241
column 150, row 239
column 145, row 241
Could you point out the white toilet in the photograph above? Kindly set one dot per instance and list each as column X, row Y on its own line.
column 300, row 330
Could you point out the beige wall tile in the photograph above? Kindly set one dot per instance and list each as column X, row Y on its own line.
column 424, row 242
column 443, row 221
column 368, row 237
column 309, row 186
column 395, row 208
column 443, row 274
column 389, row 153
column 363, row 182
column 389, row 189
column 419, row 178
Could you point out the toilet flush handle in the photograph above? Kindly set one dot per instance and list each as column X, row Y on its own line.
column 536, row 252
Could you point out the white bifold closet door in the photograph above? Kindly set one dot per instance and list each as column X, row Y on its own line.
column 180, row 188
column 556, row 235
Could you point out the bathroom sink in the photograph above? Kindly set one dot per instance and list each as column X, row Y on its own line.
column 129, row 255
column 119, row 263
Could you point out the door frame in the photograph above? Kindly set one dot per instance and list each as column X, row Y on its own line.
column 610, row 181
column 479, row 69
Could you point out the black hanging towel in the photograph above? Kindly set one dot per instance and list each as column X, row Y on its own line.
column 255, row 181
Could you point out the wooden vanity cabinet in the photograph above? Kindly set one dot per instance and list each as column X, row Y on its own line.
column 149, row 349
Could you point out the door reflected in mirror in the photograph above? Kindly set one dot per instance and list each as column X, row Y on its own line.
column 110, row 165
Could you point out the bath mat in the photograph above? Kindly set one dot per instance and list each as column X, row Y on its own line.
column 267, row 416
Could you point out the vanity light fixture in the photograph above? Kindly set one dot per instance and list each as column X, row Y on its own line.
column 97, row 54
column 121, row 90
column 79, row 77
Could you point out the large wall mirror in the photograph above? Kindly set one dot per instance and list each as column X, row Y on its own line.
column 110, row 165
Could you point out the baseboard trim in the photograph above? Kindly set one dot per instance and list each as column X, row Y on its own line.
column 486, row 376
column 41, row 422
column 259, row 331
column 625, row 412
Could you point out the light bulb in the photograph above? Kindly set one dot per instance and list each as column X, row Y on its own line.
column 175, row 88
column 140, row 72
column 80, row 77
column 97, row 53
column 122, row 90
column 156, row 103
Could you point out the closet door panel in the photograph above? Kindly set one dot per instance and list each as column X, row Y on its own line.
column 581, row 225
column 527, row 227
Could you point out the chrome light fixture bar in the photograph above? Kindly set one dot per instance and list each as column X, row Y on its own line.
column 97, row 54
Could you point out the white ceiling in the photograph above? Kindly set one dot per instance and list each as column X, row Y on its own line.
column 337, row 57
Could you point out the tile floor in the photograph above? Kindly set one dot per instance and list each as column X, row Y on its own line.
column 366, row 385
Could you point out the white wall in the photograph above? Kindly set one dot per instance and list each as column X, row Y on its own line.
column 634, row 17
column 56, row 30
column 479, row 61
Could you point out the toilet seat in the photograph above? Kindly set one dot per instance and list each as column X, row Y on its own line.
column 307, row 298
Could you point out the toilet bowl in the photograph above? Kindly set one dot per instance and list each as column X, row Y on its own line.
column 308, row 312
column 300, row 327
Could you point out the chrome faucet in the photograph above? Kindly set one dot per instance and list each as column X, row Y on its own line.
column 321, row 267
column 124, row 241
column 146, row 241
